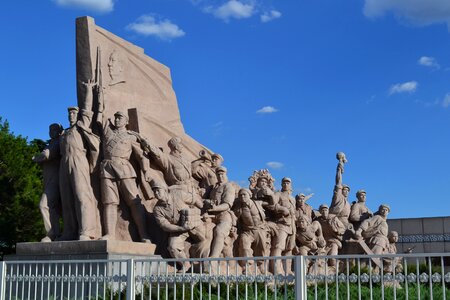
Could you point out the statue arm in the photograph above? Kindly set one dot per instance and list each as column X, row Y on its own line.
column 227, row 199
column 143, row 162
column 41, row 157
column 166, row 225
column 339, row 171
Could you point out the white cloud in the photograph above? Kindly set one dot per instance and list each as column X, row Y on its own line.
column 428, row 61
column 418, row 12
column 275, row 165
column 93, row 5
column 270, row 15
column 232, row 9
column 149, row 25
column 446, row 101
column 406, row 87
column 267, row 110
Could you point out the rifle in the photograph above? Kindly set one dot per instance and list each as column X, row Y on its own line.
column 99, row 81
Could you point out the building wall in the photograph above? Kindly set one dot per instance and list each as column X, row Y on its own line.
column 425, row 235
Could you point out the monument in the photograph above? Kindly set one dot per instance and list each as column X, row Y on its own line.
column 128, row 181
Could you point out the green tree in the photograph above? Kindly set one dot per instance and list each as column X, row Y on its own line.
column 20, row 189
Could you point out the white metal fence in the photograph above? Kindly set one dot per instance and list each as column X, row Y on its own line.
column 408, row 276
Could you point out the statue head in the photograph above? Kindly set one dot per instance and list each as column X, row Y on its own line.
column 55, row 130
column 73, row 115
column 361, row 195
column 345, row 190
column 393, row 236
column 160, row 190
column 245, row 196
column 384, row 210
column 221, row 173
column 301, row 198
column 216, row 160
column 286, row 184
column 323, row 209
column 120, row 119
column 262, row 182
column 175, row 144
column 302, row 223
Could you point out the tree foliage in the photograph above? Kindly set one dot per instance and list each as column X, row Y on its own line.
column 20, row 190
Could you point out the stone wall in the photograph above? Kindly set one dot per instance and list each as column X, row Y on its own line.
column 426, row 235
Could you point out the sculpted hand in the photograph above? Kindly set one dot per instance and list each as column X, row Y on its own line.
column 147, row 176
column 90, row 83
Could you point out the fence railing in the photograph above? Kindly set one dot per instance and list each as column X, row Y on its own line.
column 407, row 276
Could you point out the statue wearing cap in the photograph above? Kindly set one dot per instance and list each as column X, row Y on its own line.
column 359, row 210
column 79, row 156
column 50, row 202
column 117, row 174
column 339, row 204
column 221, row 200
column 375, row 230
column 170, row 214
column 333, row 230
column 303, row 208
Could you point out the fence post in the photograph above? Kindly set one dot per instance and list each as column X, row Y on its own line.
column 300, row 278
column 130, row 279
column 2, row 279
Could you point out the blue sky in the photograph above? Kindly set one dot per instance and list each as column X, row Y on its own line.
column 279, row 84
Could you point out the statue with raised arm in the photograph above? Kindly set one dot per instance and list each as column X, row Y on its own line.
column 118, row 176
column 340, row 206
column 176, row 169
column 359, row 210
column 203, row 172
column 50, row 203
column 79, row 148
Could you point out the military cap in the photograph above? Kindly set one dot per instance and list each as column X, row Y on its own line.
column 157, row 185
column 70, row 108
column 385, row 206
column 217, row 155
column 359, row 192
column 323, row 206
column 174, row 142
column 121, row 113
column 344, row 186
column 221, row 169
column 286, row 179
column 244, row 190
column 299, row 196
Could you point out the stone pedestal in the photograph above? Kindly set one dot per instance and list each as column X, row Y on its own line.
column 81, row 250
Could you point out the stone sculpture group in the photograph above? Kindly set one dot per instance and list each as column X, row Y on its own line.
column 200, row 210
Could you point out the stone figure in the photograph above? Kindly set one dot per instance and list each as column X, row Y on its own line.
column 302, row 208
column 222, row 199
column 394, row 263
column 309, row 237
column 375, row 230
column 253, row 237
column 176, row 169
column 118, row 176
column 282, row 208
column 203, row 171
column 359, row 210
column 50, row 203
column 168, row 215
column 79, row 157
column 333, row 230
column 340, row 206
